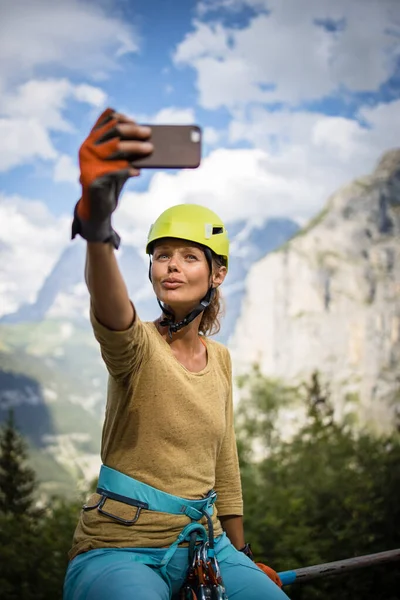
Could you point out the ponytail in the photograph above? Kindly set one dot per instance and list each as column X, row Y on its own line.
column 210, row 322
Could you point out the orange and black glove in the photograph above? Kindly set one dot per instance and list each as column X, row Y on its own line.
column 104, row 170
column 267, row 570
column 271, row 573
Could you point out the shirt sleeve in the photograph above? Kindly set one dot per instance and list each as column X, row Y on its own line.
column 227, row 478
column 122, row 351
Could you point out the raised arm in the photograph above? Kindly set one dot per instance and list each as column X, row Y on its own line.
column 108, row 293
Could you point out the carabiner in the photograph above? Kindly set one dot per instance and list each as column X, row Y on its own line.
column 204, row 592
column 219, row 593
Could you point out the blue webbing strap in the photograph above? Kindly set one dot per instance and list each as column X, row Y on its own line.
column 111, row 480
column 182, row 537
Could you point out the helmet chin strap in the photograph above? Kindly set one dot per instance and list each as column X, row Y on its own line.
column 169, row 318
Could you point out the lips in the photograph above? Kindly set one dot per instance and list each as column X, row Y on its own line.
column 171, row 284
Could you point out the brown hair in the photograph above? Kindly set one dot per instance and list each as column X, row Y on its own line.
column 210, row 322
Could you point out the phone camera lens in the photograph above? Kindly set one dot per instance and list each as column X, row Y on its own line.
column 195, row 136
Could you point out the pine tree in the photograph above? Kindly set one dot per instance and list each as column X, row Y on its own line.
column 17, row 481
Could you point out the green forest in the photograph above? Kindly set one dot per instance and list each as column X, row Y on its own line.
column 330, row 492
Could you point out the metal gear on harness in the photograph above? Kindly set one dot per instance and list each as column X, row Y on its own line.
column 197, row 224
column 203, row 579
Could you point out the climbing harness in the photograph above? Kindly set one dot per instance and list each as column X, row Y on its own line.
column 203, row 580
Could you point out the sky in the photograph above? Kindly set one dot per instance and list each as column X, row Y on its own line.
column 294, row 97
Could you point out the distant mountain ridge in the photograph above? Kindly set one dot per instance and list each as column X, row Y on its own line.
column 54, row 382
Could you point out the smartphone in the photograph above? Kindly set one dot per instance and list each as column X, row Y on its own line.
column 175, row 147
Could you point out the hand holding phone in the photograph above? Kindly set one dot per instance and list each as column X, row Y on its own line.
column 115, row 150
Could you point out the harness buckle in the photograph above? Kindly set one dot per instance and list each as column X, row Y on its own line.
column 207, row 508
column 106, row 494
column 211, row 498
column 192, row 513
column 116, row 517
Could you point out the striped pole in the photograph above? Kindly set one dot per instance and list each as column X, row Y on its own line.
column 338, row 567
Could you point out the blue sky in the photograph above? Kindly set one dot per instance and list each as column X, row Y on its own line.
column 295, row 99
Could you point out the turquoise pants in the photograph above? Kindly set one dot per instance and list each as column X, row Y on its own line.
column 131, row 574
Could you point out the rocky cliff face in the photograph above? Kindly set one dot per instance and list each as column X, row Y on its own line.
column 330, row 300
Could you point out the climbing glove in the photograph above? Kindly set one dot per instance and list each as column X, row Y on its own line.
column 271, row 573
column 103, row 173
column 267, row 570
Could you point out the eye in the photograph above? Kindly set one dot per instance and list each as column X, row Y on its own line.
column 191, row 257
column 161, row 256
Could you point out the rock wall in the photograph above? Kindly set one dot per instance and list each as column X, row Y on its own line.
column 329, row 300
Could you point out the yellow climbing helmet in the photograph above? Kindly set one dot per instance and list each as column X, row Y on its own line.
column 194, row 223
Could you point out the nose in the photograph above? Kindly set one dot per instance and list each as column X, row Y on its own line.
column 172, row 268
column 173, row 264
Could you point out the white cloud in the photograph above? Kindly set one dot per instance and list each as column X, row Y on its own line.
column 206, row 40
column 34, row 110
column 285, row 56
column 170, row 115
column 78, row 35
column 90, row 95
column 66, row 170
column 340, row 148
column 174, row 116
column 68, row 35
column 211, row 136
column 23, row 140
column 316, row 154
column 44, row 100
column 30, row 244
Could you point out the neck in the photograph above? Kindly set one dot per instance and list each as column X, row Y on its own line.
column 187, row 337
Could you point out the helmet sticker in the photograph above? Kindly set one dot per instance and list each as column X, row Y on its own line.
column 208, row 230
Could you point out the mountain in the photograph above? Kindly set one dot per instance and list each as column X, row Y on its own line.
column 66, row 277
column 250, row 242
column 51, row 376
column 51, row 372
column 328, row 300
column 64, row 295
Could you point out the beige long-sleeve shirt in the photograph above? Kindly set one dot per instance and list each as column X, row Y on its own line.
column 167, row 427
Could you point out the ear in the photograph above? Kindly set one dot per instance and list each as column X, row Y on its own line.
column 218, row 276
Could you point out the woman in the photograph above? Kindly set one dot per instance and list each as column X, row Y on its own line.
column 169, row 487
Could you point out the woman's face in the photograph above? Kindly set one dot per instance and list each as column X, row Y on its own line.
column 181, row 275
